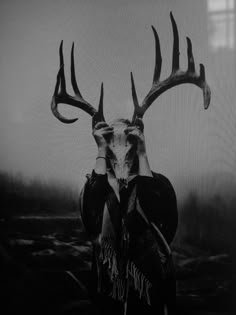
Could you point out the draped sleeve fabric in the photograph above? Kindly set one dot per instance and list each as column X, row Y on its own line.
column 92, row 200
column 158, row 199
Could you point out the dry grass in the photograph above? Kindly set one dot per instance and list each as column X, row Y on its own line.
column 33, row 197
column 208, row 224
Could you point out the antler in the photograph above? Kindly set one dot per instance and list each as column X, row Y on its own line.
column 176, row 77
column 77, row 101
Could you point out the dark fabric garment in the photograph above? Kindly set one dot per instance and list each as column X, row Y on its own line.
column 157, row 200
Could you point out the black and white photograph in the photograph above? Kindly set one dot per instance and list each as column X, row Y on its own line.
column 118, row 157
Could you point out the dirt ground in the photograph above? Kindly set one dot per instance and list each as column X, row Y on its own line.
column 45, row 265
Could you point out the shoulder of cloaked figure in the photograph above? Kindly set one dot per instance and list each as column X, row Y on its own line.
column 164, row 181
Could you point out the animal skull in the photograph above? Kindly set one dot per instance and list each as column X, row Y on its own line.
column 121, row 150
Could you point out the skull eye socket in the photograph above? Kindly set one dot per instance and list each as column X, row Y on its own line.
column 131, row 139
column 130, row 155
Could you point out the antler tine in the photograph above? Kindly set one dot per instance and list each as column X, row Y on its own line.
column 99, row 116
column 158, row 59
column 176, row 77
column 205, row 87
column 191, row 64
column 135, row 98
column 63, row 97
column 138, row 112
column 100, row 106
column 62, row 73
column 73, row 76
column 175, row 57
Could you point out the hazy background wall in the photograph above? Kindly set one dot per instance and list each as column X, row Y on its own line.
column 194, row 148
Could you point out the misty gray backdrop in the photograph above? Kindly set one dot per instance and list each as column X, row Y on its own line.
column 194, row 148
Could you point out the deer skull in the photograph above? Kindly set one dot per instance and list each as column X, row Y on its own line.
column 121, row 150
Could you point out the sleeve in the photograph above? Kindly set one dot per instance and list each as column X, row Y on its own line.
column 92, row 200
column 158, row 200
